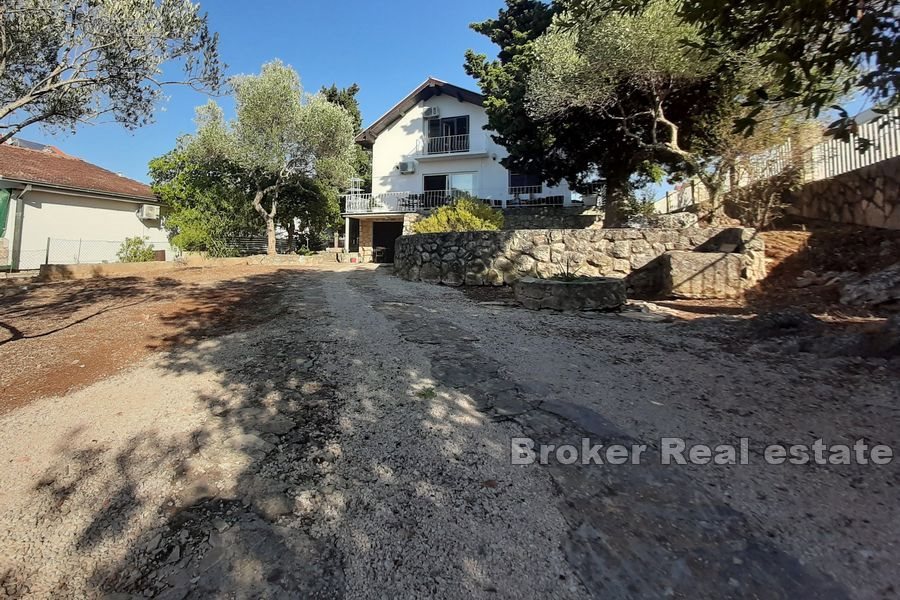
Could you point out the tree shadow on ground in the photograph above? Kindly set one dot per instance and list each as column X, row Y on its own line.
column 634, row 530
column 209, row 510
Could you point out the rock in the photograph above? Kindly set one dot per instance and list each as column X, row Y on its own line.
column 153, row 543
column 277, row 424
column 874, row 289
column 679, row 220
column 273, row 506
column 220, row 525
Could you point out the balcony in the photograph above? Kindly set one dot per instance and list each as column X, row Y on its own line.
column 404, row 202
column 448, row 146
column 398, row 202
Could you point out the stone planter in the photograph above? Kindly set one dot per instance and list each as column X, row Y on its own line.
column 588, row 293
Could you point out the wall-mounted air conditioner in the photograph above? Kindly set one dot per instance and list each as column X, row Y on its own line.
column 407, row 167
column 431, row 112
column 148, row 212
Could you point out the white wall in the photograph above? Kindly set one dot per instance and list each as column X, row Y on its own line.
column 100, row 224
column 399, row 142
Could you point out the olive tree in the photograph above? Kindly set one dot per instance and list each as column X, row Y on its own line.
column 279, row 135
column 644, row 71
column 63, row 62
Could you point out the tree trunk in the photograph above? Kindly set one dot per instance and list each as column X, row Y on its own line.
column 271, row 249
column 616, row 195
column 291, row 231
column 269, row 218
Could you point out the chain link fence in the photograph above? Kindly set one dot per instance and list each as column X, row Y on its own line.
column 77, row 252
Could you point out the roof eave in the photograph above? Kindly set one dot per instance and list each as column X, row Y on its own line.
column 83, row 191
column 368, row 136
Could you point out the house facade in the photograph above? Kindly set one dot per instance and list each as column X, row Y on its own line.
column 58, row 209
column 429, row 149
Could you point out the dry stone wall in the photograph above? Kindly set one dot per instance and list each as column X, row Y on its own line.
column 868, row 196
column 502, row 257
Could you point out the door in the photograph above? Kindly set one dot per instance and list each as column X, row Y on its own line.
column 384, row 235
column 436, row 188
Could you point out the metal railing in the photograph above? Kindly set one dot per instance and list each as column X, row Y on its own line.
column 447, row 144
column 823, row 160
column 403, row 202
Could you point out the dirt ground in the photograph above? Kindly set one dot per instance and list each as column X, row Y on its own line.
column 340, row 433
column 55, row 338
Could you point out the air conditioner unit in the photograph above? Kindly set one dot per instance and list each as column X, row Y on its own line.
column 407, row 167
column 149, row 212
column 431, row 112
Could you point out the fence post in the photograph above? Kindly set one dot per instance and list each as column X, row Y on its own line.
column 668, row 208
column 78, row 256
column 47, row 253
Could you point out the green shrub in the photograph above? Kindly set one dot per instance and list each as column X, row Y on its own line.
column 465, row 214
column 135, row 249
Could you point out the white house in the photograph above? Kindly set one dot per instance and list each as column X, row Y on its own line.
column 430, row 148
column 60, row 209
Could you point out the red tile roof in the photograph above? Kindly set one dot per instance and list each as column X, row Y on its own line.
column 53, row 168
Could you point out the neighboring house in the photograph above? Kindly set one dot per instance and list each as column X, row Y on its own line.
column 60, row 209
column 427, row 150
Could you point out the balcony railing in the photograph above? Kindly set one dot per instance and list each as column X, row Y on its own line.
column 403, row 202
column 399, row 202
column 448, row 144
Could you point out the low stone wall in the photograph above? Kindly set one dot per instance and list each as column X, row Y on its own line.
column 501, row 257
column 4, row 251
column 868, row 196
column 87, row 271
column 552, row 217
column 588, row 293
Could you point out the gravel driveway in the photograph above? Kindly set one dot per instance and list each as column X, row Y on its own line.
column 358, row 446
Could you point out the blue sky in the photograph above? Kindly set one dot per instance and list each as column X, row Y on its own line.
column 388, row 48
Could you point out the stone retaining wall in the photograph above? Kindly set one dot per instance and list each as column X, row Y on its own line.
column 867, row 196
column 501, row 257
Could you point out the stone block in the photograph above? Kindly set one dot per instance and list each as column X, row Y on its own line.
column 673, row 220
column 430, row 273
column 621, row 249
column 524, row 264
column 620, row 265
column 600, row 293
column 494, row 277
column 702, row 274
column 541, row 253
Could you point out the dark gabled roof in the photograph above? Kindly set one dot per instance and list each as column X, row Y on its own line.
column 50, row 167
column 431, row 87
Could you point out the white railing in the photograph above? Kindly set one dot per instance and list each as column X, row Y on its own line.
column 525, row 190
column 826, row 159
column 447, row 144
column 402, row 202
column 834, row 157
column 427, row 147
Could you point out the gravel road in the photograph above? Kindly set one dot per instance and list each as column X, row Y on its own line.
column 358, row 446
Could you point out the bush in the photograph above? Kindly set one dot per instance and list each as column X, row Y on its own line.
column 465, row 214
column 135, row 249
column 762, row 203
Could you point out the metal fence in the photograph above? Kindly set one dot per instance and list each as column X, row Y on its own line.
column 255, row 244
column 75, row 252
column 821, row 161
